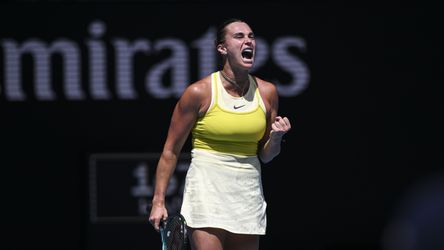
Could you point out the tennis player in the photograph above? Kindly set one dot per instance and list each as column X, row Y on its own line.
column 233, row 118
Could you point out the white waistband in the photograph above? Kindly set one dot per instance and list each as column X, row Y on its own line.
column 217, row 156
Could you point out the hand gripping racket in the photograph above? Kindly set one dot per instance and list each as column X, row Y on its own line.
column 173, row 233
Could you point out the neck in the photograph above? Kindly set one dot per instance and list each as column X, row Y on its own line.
column 232, row 81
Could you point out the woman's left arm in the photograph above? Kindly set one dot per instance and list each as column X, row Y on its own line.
column 277, row 126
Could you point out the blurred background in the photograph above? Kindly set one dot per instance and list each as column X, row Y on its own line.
column 87, row 89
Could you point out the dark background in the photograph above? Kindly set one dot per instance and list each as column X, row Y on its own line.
column 366, row 132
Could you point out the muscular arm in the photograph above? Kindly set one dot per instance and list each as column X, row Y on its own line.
column 184, row 116
column 270, row 145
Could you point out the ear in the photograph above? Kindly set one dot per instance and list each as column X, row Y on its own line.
column 221, row 48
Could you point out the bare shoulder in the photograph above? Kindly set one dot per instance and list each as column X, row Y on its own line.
column 198, row 95
column 266, row 88
column 200, row 88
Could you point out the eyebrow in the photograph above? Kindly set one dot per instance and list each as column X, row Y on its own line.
column 241, row 33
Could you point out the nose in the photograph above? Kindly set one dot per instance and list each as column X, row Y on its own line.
column 248, row 40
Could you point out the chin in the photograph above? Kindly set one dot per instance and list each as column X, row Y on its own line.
column 247, row 65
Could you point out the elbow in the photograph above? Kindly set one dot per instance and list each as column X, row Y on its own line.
column 265, row 159
column 266, row 155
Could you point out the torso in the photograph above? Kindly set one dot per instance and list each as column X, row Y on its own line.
column 205, row 86
column 231, row 124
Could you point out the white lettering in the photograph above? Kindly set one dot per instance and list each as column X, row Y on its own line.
column 292, row 64
column 41, row 55
column 124, row 66
column 261, row 55
column 207, row 53
column 178, row 63
column 97, row 62
column 167, row 78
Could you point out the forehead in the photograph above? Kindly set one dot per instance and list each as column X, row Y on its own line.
column 238, row 27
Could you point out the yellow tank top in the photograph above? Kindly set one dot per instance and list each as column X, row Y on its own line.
column 231, row 126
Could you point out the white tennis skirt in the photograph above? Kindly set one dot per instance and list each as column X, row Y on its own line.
column 224, row 191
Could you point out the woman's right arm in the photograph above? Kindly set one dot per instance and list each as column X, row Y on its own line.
column 184, row 116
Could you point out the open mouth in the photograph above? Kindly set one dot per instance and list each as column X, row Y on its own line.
column 247, row 53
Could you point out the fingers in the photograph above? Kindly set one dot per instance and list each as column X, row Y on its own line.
column 155, row 219
column 281, row 124
column 154, row 223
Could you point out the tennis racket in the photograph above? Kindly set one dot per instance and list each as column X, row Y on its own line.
column 173, row 233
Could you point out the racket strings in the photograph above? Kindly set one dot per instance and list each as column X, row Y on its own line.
column 175, row 233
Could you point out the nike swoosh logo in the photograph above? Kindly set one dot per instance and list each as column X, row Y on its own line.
column 238, row 107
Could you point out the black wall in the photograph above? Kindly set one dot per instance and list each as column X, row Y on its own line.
column 366, row 129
